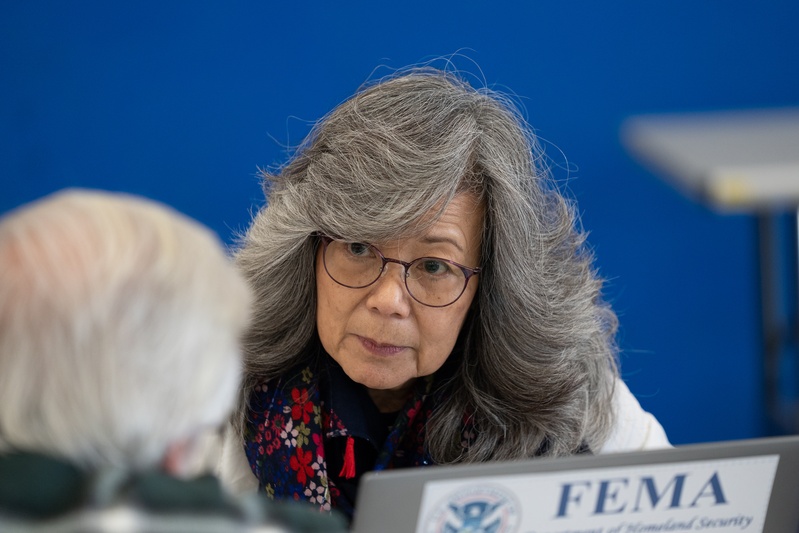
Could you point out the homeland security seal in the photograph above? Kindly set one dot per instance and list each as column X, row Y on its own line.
column 483, row 509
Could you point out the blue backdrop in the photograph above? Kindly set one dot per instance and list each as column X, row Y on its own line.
column 184, row 101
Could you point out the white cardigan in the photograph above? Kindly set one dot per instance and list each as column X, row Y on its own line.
column 635, row 430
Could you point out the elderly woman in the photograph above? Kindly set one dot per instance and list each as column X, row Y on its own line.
column 423, row 296
column 120, row 326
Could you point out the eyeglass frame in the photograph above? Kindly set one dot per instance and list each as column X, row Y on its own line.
column 468, row 272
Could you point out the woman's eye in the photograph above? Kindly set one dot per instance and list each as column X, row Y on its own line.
column 358, row 249
column 434, row 267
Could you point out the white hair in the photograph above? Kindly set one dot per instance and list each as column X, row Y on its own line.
column 120, row 325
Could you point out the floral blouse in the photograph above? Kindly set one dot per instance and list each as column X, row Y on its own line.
column 313, row 432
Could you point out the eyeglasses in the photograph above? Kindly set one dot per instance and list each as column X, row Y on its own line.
column 431, row 281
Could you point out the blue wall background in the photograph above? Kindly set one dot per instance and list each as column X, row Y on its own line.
column 183, row 101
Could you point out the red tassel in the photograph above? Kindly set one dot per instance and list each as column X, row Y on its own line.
column 348, row 468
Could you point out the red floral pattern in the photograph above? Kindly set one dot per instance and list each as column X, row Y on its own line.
column 288, row 424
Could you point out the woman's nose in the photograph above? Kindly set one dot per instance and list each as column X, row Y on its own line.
column 388, row 294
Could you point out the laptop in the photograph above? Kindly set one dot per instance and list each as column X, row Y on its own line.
column 734, row 486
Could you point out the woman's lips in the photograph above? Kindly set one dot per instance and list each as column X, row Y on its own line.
column 379, row 348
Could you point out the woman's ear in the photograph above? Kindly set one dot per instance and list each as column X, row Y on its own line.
column 192, row 456
column 176, row 461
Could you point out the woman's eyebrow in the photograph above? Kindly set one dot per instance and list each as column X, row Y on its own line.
column 438, row 239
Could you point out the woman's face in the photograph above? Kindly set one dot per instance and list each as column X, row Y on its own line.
column 380, row 335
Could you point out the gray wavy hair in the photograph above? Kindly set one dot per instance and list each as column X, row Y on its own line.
column 120, row 327
column 539, row 359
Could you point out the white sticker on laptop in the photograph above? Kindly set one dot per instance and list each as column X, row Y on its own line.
column 718, row 496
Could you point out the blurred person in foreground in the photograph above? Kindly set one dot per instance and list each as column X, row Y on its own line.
column 120, row 323
column 424, row 296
